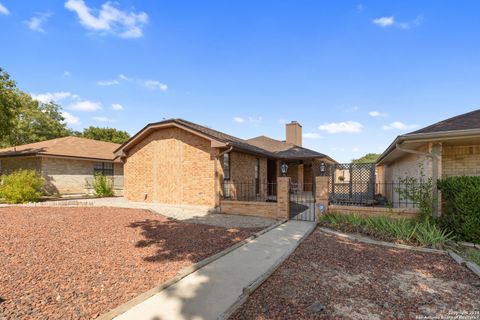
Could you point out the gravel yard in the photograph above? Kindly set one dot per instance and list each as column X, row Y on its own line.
column 77, row 263
column 359, row 281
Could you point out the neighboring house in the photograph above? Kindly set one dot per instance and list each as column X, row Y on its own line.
column 180, row 162
column 447, row 148
column 68, row 164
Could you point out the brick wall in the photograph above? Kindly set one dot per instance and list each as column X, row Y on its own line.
column 62, row 175
column 259, row 209
column 461, row 161
column 9, row 165
column 171, row 166
column 242, row 174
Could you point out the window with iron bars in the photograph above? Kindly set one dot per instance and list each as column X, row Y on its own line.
column 104, row 168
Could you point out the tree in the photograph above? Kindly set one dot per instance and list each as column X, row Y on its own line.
column 105, row 134
column 34, row 121
column 8, row 102
column 368, row 158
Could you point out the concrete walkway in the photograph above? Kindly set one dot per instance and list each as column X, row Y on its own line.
column 212, row 290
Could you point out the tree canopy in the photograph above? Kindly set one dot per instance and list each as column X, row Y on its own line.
column 105, row 134
column 25, row 120
column 368, row 158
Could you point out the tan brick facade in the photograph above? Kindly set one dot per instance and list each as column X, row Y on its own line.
column 461, row 160
column 62, row 175
column 259, row 209
column 171, row 166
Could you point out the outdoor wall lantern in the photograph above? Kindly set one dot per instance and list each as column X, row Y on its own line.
column 284, row 169
column 322, row 168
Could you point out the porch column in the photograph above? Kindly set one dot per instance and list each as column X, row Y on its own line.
column 321, row 194
column 436, row 151
column 300, row 177
column 283, row 197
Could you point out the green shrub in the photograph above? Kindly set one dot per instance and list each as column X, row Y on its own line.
column 103, row 186
column 418, row 191
column 461, row 208
column 403, row 229
column 429, row 234
column 21, row 186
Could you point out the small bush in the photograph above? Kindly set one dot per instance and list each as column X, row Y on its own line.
column 21, row 186
column 103, row 186
column 461, row 208
column 401, row 229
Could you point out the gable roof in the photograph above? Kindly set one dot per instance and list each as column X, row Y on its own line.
column 254, row 146
column 72, row 147
column 461, row 126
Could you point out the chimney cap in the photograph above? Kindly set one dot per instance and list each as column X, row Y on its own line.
column 294, row 122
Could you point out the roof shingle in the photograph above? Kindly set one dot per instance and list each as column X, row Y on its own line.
column 74, row 147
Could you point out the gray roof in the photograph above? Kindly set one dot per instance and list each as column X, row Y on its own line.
column 466, row 121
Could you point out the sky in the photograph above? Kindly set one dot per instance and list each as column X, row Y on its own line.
column 355, row 74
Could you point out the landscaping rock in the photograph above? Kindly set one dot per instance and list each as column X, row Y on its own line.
column 467, row 244
column 473, row 267
column 78, row 263
column 456, row 257
column 316, row 307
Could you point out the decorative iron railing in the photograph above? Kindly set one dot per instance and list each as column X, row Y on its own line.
column 389, row 194
column 260, row 191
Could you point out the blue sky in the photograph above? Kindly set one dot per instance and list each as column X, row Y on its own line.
column 354, row 73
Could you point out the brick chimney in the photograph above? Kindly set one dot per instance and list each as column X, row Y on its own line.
column 293, row 133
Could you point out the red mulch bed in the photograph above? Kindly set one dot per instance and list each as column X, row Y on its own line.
column 77, row 263
column 359, row 281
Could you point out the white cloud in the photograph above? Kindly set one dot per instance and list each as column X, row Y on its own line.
column 103, row 119
column 255, row 119
column 377, row 114
column 108, row 82
column 312, row 135
column 109, row 19
column 69, row 118
column 384, row 21
column 66, row 74
column 359, row 7
column 53, row 96
column 390, row 21
column 239, row 120
column 86, row 106
column 150, row 84
column 35, row 23
column 355, row 108
column 154, row 85
column 411, row 24
column 399, row 126
column 117, row 107
column 4, row 10
column 356, row 149
column 339, row 127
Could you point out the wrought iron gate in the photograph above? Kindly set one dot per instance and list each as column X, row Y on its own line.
column 302, row 203
column 352, row 183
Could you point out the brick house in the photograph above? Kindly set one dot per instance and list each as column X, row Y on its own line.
column 68, row 164
column 182, row 163
column 447, row 148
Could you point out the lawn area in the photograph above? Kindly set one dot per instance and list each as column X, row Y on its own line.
column 359, row 281
column 77, row 263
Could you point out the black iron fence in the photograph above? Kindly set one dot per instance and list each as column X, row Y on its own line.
column 390, row 194
column 260, row 191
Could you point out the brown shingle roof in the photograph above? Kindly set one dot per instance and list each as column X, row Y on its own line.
column 466, row 121
column 282, row 149
column 265, row 146
column 74, row 147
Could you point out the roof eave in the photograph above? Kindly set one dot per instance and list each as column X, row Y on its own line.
column 427, row 137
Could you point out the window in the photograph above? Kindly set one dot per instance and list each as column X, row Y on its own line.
column 105, row 168
column 226, row 166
